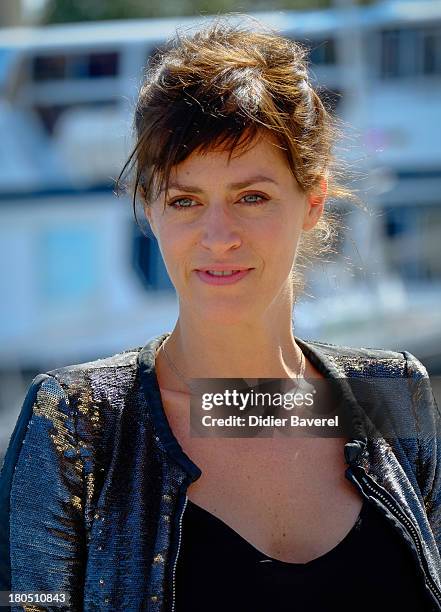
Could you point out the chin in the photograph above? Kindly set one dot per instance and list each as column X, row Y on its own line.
column 228, row 311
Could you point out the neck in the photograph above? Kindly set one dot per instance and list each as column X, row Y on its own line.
column 238, row 351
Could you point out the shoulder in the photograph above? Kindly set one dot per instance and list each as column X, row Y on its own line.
column 76, row 397
column 60, row 394
column 98, row 377
column 369, row 361
column 124, row 359
column 342, row 350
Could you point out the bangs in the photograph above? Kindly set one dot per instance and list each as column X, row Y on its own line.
column 221, row 89
column 185, row 130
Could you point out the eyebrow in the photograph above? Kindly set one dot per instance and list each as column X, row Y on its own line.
column 258, row 178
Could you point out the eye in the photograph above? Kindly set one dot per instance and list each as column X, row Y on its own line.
column 176, row 203
column 256, row 198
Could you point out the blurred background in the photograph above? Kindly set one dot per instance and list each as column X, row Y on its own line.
column 79, row 279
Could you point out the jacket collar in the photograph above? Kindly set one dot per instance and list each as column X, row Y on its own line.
column 354, row 449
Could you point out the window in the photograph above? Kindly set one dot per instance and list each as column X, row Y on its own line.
column 432, row 51
column 321, row 52
column 147, row 262
column 102, row 65
column 412, row 241
column 74, row 66
column 52, row 67
column 6, row 56
column 400, row 53
column 408, row 52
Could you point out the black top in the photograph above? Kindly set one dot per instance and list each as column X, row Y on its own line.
column 370, row 569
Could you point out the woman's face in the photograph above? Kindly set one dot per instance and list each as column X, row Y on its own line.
column 247, row 212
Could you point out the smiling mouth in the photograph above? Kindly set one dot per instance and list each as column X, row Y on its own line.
column 222, row 277
column 216, row 270
column 222, row 273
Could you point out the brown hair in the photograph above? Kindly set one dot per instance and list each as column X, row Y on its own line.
column 220, row 87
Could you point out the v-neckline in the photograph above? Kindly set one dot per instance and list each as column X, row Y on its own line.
column 260, row 556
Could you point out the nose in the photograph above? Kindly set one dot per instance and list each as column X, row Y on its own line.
column 220, row 230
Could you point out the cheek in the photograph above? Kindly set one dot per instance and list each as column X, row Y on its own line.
column 175, row 245
column 280, row 234
column 281, row 245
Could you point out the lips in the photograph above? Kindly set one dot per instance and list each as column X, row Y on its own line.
column 222, row 279
column 223, row 268
column 219, row 273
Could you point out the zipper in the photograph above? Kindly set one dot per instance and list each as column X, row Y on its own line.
column 177, row 555
column 381, row 494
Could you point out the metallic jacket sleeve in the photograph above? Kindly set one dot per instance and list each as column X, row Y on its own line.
column 42, row 536
column 429, row 442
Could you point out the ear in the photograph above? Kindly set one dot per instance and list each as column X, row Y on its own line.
column 315, row 202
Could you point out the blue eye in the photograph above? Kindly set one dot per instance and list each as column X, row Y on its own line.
column 255, row 195
column 174, row 203
column 256, row 200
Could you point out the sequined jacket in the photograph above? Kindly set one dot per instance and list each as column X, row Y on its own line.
column 93, row 485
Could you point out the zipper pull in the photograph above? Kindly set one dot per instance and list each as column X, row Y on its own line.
column 353, row 450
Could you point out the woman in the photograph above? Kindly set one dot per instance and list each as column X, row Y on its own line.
column 106, row 495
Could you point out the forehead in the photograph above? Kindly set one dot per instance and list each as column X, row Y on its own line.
column 264, row 156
